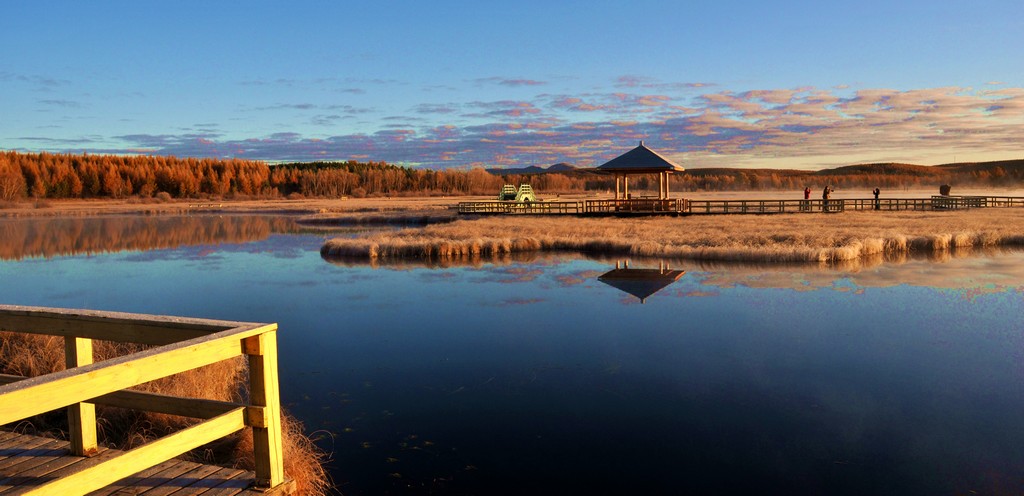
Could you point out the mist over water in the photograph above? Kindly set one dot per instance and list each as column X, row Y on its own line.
column 530, row 375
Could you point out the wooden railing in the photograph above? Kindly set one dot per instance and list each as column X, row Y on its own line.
column 637, row 205
column 763, row 206
column 512, row 207
column 680, row 205
column 1004, row 201
column 179, row 345
column 840, row 205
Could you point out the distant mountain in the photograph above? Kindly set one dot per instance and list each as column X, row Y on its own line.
column 533, row 169
column 562, row 167
column 882, row 169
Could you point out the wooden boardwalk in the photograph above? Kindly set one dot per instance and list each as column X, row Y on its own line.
column 681, row 206
column 29, row 461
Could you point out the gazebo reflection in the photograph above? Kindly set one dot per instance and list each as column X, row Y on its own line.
column 640, row 283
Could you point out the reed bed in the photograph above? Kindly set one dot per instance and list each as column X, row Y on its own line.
column 788, row 238
column 32, row 355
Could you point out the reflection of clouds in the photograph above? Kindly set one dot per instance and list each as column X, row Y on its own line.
column 511, row 302
column 437, row 276
column 972, row 272
column 696, row 294
column 575, row 279
column 511, row 275
column 976, row 275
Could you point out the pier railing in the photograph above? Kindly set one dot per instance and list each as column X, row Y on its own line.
column 763, row 206
column 177, row 345
column 638, row 205
column 740, row 206
column 512, row 207
column 642, row 205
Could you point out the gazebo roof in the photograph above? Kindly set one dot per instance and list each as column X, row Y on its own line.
column 640, row 160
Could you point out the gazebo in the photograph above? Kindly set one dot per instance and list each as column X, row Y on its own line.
column 640, row 160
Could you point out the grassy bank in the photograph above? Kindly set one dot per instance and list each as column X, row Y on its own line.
column 32, row 355
column 819, row 238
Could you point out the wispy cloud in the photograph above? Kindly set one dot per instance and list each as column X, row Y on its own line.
column 511, row 82
column 346, row 109
column 437, row 108
column 505, row 108
column 631, row 81
column 40, row 82
column 61, row 103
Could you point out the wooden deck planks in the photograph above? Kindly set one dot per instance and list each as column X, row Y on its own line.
column 27, row 461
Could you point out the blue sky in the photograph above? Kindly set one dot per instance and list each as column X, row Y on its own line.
column 804, row 85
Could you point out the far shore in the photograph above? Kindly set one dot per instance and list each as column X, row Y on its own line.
column 799, row 238
column 345, row 206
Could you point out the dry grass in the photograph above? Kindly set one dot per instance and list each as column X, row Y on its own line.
column 820, row 238
column 380, row 218
column 32, row 355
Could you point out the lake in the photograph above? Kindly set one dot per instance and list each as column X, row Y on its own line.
column 549, row 375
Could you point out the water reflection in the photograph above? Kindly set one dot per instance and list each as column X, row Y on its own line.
column 641, row 283
column 972, row 271
column 64, row 236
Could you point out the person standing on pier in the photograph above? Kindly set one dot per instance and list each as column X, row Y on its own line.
column 806, row 205
column 877, row 205
column 824, row 198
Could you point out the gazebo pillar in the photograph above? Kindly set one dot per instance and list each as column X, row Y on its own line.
column 667, row 177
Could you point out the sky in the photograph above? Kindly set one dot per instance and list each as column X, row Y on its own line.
column 442, row 84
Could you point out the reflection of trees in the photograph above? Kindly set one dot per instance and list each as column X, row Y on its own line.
column 51, row 237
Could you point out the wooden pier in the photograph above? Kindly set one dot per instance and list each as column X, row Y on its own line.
column 680, row 206
column 38, row 466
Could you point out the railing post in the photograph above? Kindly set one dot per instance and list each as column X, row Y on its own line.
column 81, row 416
column 264, row 392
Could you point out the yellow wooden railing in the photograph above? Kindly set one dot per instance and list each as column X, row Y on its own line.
column 179, row 345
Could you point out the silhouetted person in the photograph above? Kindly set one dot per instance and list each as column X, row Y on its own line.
column 824, row 198
column 807, row 193
column 877, row 205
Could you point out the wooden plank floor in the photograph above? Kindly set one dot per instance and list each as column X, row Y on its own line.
column 27, row 461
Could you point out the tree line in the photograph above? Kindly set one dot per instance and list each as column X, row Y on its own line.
column 60, row 176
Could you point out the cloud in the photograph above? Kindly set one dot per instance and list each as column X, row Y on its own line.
column 40, row 82
column 575, row 104
column 807, row 128
column 61, row 103
column 59, row 141
column 512, row 82
column 346, row 109
column 506, row 108
column 437, row 108
column 631, row 81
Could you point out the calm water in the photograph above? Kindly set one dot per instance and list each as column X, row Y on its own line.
column 533, row 376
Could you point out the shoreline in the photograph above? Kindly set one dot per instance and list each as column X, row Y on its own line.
column 326, row 207
column 426, row 228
